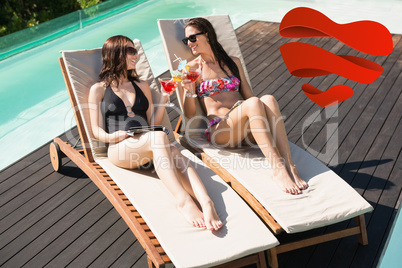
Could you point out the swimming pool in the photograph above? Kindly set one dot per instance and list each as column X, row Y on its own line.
column 391, row 255
column 34, row 102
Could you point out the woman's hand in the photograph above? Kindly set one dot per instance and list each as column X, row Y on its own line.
column 118, row 136
column 169, row 83
column 187, row 86
column 165, row 93
column 164, row 96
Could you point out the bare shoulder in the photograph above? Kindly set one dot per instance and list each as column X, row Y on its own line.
column 143, row 85
column 98, row 88
column 236, row 60
column 96, row 92
column 194, row 63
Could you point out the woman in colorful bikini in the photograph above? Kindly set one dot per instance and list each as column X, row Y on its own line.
column 221, row 84
column 123, row 101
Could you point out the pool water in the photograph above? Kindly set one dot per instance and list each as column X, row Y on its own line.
column 34, row 104
column 391, row 256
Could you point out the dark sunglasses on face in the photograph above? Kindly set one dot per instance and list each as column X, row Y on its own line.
column 131, row 51
column 192, row 38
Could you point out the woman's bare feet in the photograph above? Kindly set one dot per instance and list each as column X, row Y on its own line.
column 212, row 221
column 296, row 178
column 285, row 182
column 191, row 212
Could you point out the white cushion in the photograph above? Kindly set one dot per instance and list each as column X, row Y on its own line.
column 243, row 232
column 328, row 199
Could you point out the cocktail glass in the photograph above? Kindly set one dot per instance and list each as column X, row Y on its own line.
column 169, row 85
column 192, row 75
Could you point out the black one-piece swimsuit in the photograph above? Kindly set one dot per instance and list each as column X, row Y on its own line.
column 115, row 112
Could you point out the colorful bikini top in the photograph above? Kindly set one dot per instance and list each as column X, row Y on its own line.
column 211, row 87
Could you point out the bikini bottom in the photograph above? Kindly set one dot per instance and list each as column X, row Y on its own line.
column 211, row 124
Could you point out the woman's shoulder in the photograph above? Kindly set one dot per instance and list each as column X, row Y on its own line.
column 98, row 87
column 97, row 91
column 142, row 83
column 144, row 86
column 195, row 62
column 235, row 59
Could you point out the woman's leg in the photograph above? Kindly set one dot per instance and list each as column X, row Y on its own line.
column 280, row 137
column 193, row 185
column 134, row 152
column 250, row 116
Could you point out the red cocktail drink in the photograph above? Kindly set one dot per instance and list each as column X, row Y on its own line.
column 169, row 86
column 192, row 76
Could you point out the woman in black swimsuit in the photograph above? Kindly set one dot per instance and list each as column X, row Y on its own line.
column 257, row 120
column 123, row 101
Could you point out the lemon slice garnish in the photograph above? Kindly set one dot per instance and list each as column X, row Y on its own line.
column 176, row 78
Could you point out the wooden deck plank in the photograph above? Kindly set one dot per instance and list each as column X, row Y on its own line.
column 116, row 249
column 246, row 32
column 386, row 197
column 370, row 179
column 358, row 181
column 25, row 162
column 42, row 233
column 9, row 204
column 315, row 135
column 20, row 179
column 362, row 144
column 22, row 219
column 129, row 257
column 73, row 231
column 62, row 219
column 74, row 250
column 88, row 256
column 20, row 165
column 306, row 111
column 142, row 262
column 295, row 106
column 354, row 118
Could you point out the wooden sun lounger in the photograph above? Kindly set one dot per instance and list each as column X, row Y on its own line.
column 172, row 31
column 85, row 160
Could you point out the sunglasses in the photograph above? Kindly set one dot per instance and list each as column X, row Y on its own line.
column 131, row 51
column 192, row 38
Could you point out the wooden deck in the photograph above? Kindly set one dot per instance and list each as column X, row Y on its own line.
column 62, row 219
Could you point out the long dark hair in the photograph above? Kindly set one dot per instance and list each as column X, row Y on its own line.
column 203, row 25
column 114, row 60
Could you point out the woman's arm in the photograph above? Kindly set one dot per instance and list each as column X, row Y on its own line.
column 96, row 94
column 185, row 87
column 245, row 89
column 189, row 107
